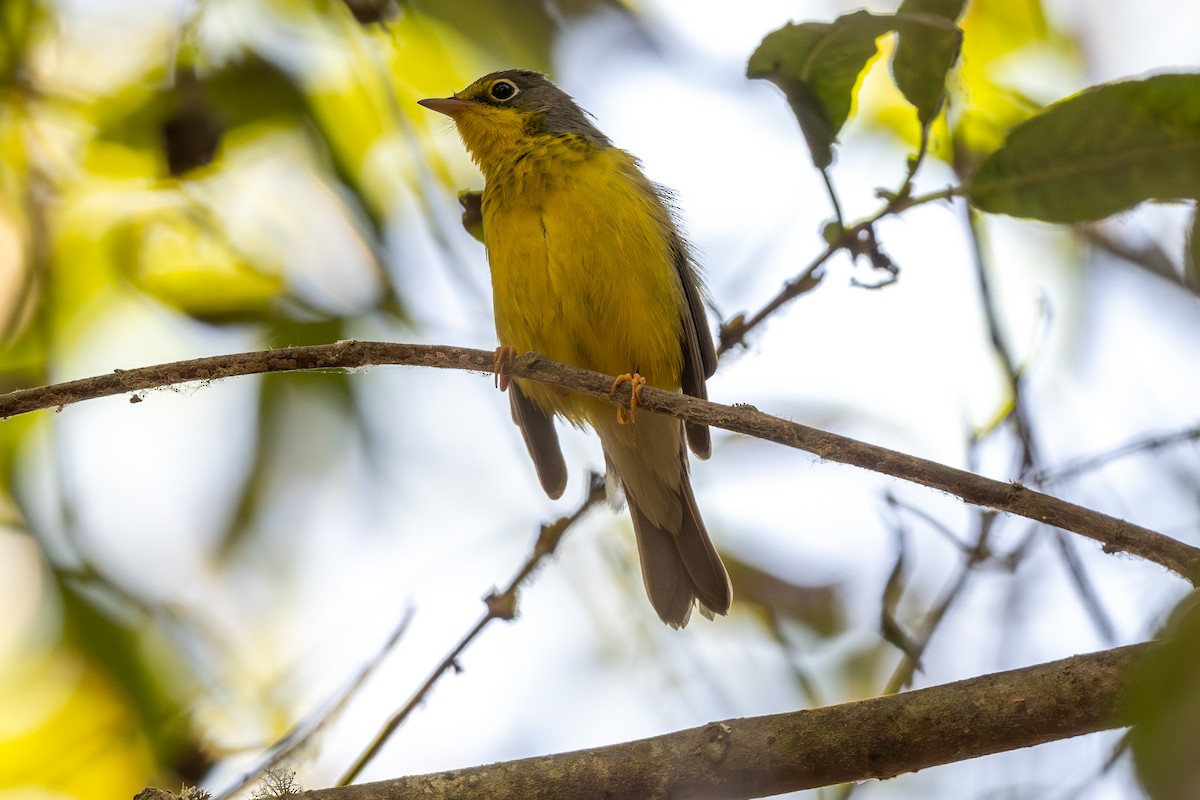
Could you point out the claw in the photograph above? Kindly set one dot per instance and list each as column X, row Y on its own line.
column 500, row 362
column 636, row 382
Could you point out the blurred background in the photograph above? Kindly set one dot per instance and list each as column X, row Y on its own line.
column 186, row 578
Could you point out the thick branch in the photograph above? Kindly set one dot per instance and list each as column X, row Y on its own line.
column 1116, row 535
column 761, row 756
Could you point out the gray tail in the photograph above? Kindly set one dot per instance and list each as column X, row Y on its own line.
column 682, row 568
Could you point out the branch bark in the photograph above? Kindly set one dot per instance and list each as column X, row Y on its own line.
column 761, row 756
column 1114, row 534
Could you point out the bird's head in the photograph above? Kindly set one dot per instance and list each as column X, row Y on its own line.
column 509, row 111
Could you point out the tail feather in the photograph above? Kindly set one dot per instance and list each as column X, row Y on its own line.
column 681, row 568
column 699, row 556
column 668, row 584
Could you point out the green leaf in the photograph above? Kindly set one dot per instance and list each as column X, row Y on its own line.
column 817, row 65
column 1099, row 152
column 946, row 9
column 1164, row 698
column 929, row 45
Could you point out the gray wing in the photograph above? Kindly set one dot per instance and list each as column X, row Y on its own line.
column 699, row 355
column 541, row 440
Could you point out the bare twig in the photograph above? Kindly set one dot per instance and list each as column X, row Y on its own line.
column 1018, row 414
column 975, row 555
column 1149, row 257
column 733, row 332
column 499, row 605
column 1116, row 535
column 833, row 197
column 305, row 730
column 1021, row 419
column 1072, row 469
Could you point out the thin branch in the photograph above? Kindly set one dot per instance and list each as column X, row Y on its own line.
column 307, row 729
column 1073, row 469
column 869, row 739
column 1018, row 414
column 975, row 555
column 733, row 332
column 1149, row 257
column 1088, row 594
column 1116, row 535
column 1021, row 420
column 499, row 605
column 833, row 197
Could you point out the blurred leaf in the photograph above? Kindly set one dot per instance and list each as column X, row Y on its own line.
column 518, row 34
column 1099, row 152
column 18, row 22
column 178, row 262
column 68, row 731
column 1165, row 698
column 187, row 118
column 131, row 653
column 946, row 9
column 817, row 65
column 817, row 607
column 928, row 46
column 18, row 283
column 82, row 272
column 994, row 32
column 191, row 134
column 14, row 435
column 1193, row 251
column 253, row 494
column 252, row 89
column 367, row 12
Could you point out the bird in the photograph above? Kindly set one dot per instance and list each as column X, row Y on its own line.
column 589, row 268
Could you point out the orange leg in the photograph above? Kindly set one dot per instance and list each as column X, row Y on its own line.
column 503, row 357
column 636, row 382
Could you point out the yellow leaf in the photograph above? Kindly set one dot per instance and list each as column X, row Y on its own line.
column 67, row 732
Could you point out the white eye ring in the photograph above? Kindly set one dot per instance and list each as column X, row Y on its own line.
column 503, row 90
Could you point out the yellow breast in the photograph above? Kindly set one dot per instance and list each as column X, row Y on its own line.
column 582, row 267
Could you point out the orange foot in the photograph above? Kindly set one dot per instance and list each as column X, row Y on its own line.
column 636, row 382
column 500, row 363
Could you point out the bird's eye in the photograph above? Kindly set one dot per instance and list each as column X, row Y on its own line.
column 503, row 90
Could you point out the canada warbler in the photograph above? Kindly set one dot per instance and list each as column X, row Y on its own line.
column 588, row 268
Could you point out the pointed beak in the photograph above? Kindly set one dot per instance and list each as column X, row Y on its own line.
column 449, row 106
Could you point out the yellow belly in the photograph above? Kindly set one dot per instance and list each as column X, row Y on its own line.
column 582, row 270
